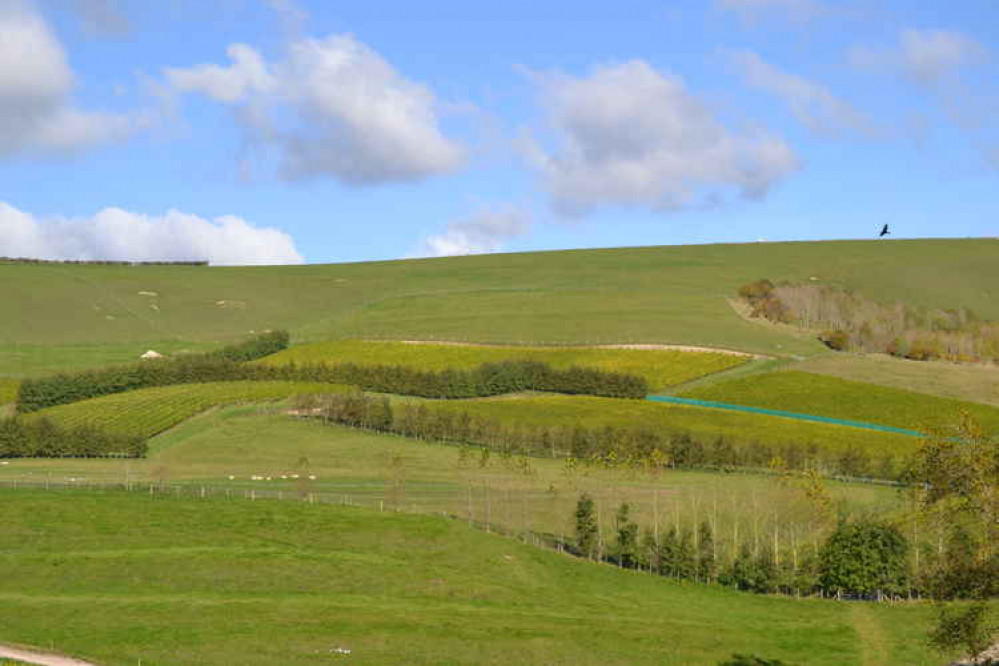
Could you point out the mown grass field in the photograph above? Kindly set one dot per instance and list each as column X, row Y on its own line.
column 660, row 367
column 377, row 470
column 704, row 423
column 148, row 412
column 845, row 399
column 974, row 383
column 118, row 579
column 651, row 295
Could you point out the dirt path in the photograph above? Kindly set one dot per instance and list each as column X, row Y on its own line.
column 689, row 348
column 41, row 658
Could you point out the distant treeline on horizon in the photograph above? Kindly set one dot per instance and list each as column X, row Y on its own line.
column 99, row 262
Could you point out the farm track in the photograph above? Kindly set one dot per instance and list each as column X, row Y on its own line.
column 41, row 658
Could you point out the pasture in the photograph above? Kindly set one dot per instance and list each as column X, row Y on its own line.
column 117, row 579
column 633, row 295
column 824, row 395
column 659, row 367
column 148, row 412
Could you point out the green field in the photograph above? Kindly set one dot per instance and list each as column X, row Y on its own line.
column 660, row 367
column 118, row 579
column 147, row 412
column 845, row 399
column 975, row 383
column 380, row 470
column 651, row 295
column 704, row 423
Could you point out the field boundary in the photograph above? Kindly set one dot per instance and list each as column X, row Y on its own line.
column 710, row 404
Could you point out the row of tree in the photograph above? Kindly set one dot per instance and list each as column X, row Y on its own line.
column 486, row 380
column 641, row 449
column 222, row 364
column 41, row 438
column 863, row 558
column 848, row 321
column 99, row 262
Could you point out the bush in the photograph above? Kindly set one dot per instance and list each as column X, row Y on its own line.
column 836, row 340
column 865, row 558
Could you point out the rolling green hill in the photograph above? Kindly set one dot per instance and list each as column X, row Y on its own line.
column 653, row 294
column 218, row 581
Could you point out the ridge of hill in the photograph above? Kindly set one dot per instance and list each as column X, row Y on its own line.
column 672, row 294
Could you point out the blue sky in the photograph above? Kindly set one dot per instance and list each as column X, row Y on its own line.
column 355, row 131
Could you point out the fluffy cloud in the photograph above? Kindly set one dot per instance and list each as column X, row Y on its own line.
column 926, row 56
column 812, row 104
column 634, row 136
column 120, row 235
column 36, row 115
column 487, row 231
column 102, row 17
column 353, row 116
column 753, row 10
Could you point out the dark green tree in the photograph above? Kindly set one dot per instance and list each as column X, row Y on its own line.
column 587, row 538
column 864, row 557
column 707, row 568
column 627, row 537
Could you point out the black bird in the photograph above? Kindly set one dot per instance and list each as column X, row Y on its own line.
column 884, row 231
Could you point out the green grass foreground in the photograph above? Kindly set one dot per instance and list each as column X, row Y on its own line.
column 652, row 294
column 659, row 367
column 148, row 412
column 116, row 578
column 823, row 395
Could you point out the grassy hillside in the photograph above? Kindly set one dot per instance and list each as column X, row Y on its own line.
column 212, row 581
column 147, row 412
column 656, row 294
column 660, row 367
column 8, row 390
column 842, row 398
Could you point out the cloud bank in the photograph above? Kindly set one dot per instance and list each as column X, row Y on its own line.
column 36, row 113
column 486, row 231
column 630, row 135
column 120, row 235
column 925, row 56
column 331, row 108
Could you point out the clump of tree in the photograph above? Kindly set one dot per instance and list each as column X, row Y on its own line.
column 41, row 438
column 848, row 321
column 99, row 262
column 640, row 449
column 865, row 558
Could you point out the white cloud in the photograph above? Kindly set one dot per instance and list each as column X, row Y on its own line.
column 487, row 231
column 631, row 135
column 751, row 11
column 353, row 117
column 35, row 83
column 812, row 104
column 102, row 17
column 926, row 56
column 120, row 235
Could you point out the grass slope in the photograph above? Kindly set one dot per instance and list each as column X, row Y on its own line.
column 976, row 383
column 210, row 582
column 845, row 399
column 660, row 367
column 369, row 469
column 655, row 294
column 705, row 423
column 147, row 412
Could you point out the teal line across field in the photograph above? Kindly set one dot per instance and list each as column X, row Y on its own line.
column 692, row 402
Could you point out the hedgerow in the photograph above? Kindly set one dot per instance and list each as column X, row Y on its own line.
column 41, row 438
column 486, row 380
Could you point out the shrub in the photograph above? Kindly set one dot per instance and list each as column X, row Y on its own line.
column 836, row 340
column 864, row 558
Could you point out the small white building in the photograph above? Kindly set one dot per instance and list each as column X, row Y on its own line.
column 152, row 354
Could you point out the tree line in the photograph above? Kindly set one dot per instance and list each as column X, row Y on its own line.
column 228, row 365
column 848, row 321
column 41, row 438
column 641, row 449
column 99, row 262
column 861, row 558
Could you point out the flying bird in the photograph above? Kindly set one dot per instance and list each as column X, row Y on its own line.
column 884, row 231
